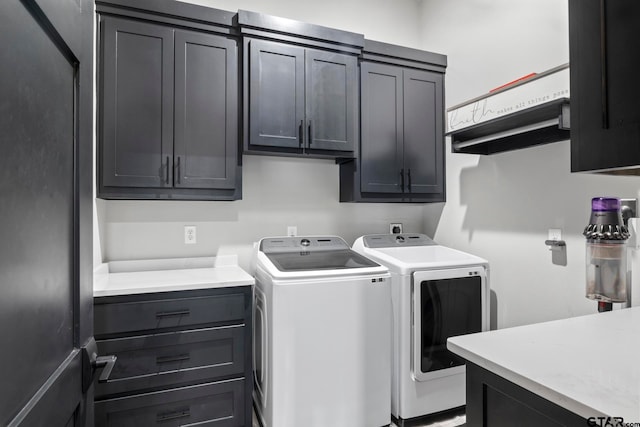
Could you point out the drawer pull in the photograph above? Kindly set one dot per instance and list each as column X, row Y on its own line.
column 169, row 359
column 173, row 415
column 172, row 313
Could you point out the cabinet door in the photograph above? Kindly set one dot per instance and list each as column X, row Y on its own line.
column 206, row 93
column 423, row 131
column 332, row 100
column 137, row 104
column 382, row 132
column 605, row 56
column 276, row 94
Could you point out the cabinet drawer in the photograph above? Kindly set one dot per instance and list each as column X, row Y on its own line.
column 213, row 404
column 167, row 313
column 157, row 360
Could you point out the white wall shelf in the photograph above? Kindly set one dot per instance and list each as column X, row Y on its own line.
column 541, row 124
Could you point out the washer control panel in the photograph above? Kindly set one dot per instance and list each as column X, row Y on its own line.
column 273, row 245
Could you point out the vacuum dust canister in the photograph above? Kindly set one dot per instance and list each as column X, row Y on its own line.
column 606, row 260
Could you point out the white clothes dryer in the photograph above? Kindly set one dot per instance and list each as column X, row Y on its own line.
column 437, row 292
column 322, row 335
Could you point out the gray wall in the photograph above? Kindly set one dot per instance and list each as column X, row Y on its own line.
column 278, row 191
column 501, row 206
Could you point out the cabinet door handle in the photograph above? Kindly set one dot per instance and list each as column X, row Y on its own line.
column 402, row 180
column 310, row 133
column 301, row 134
column 409, row 178
column 170, row 359
column 172, row 313
column 173, row 415
column 604, row 92
column 177, row 172
column 166, row 172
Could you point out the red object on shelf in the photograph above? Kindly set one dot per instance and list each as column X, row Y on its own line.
column 513, row 82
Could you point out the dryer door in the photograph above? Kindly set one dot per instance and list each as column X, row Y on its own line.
column 446, row 303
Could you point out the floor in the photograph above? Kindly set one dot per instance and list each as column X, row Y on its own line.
column 455, row 421
column 452, row 422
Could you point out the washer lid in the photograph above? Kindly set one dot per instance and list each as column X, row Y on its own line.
column 298, row 254
column 326, row 260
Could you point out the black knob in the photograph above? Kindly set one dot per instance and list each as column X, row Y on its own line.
column 305, row 242
column 399, row 239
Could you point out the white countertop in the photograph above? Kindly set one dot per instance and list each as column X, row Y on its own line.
column 589, row 365
column 146, row 276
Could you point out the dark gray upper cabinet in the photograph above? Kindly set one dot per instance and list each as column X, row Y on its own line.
column 137, row 114
column 382, row 159
column 400, row 128
column 206, row 140
column 332, row 100
column 168, row 108
column 276, row 104
column 301, row 93
column 605, row 113
column 423, row 141
column 402, row 120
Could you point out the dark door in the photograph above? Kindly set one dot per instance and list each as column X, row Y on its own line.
column 605, row 56
column 382, row 131
column 276, row 94
column 423, row 131
column 46, row 90
column 332, row 100
column 137, row 103
column 206, row 108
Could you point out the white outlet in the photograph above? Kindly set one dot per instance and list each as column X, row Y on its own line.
column 395, row 228
column 189, row 234
column 292, row 230
column 555, row 234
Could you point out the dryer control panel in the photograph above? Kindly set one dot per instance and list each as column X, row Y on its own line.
column 395, row 240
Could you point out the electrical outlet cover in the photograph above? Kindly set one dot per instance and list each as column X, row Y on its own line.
column 395, row 228
column 189, row 234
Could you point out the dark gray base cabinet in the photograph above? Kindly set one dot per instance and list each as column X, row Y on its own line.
column 168, row 111
column 604, row 42
column 182, row 358
column 401, row 156
column 493, row 401
column 211, row 404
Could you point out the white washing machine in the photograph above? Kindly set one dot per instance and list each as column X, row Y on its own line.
column 437, row 292
column 322, row 335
